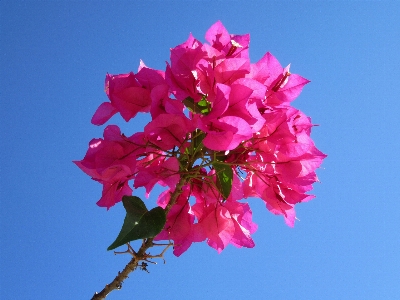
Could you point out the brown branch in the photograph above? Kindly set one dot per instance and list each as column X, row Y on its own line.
column 141, row 254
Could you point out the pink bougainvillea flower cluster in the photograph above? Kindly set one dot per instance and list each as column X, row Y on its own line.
column 220, row 125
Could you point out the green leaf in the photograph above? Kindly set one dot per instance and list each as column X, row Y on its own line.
column 203, row 106
column 139, row 223
column 198, row 141
column 189, row 103
column 224, row 178
column 134, row 206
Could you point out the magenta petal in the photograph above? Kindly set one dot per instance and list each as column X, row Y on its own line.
column 227, row 133
column 163, row 198
column 270, row 67
column 162, row 172
column 167, row 131
column 113, row 193
column 290, row 217
column 103, row 113
column 243, row 41
column 161, row 103
column 112, row 133
column 179, row 226
column 231, row 69
column 218, row 36
column 220, row 103
column 241, row 215
column 180, row 74
column 293, row 88
column 88, row 164
column 149, row 78
column 132, row 100
column 218, row 226
column 127, row 95
column 171, row 167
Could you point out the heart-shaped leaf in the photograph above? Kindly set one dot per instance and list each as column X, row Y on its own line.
column 139, row 223
column 224, row 178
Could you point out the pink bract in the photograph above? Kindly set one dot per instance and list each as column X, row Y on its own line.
column 221, row 127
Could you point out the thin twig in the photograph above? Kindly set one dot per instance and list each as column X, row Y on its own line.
column 141, row 254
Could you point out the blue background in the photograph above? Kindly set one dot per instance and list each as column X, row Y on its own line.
column 54, row 57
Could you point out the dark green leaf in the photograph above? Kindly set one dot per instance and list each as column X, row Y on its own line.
column 139, row 223
column 197, row 141
column 189, row 103
column 203, row 106
column 134, row 206
column 224, row 178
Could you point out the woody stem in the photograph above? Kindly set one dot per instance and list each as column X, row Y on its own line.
column 140, row 254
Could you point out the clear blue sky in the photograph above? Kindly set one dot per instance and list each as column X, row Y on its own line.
column 54, row 56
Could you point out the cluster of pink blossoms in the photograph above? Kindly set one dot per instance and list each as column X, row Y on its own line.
column 221, row 128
